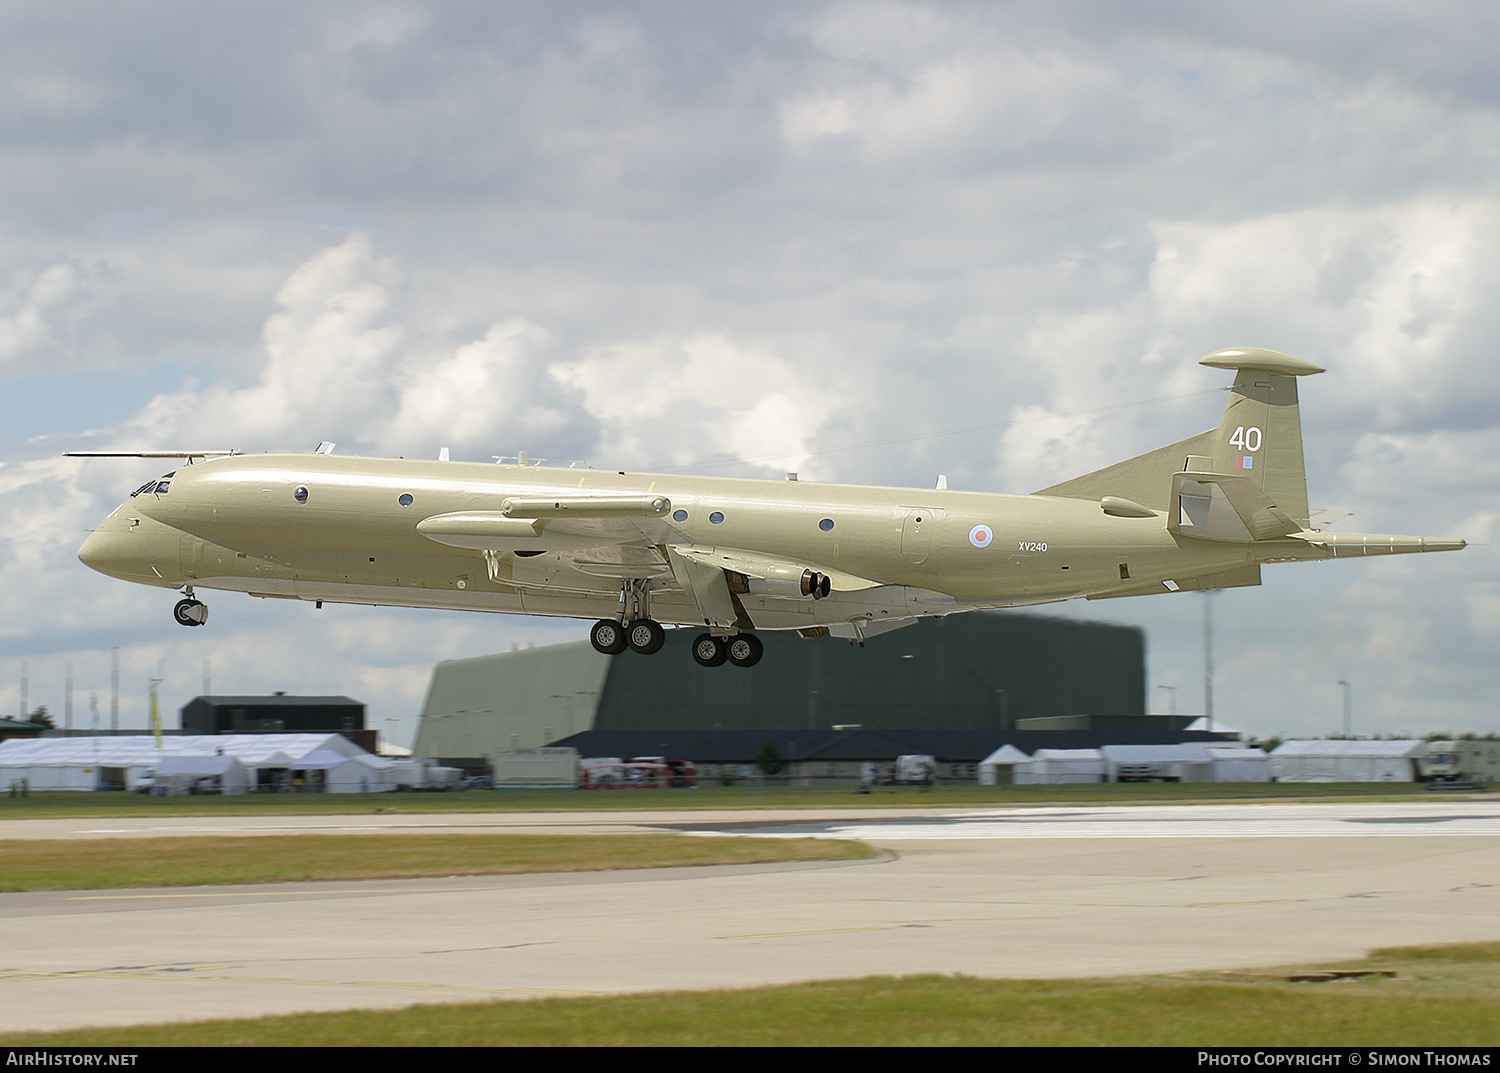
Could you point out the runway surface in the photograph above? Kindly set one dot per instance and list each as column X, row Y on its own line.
column 1024, row 892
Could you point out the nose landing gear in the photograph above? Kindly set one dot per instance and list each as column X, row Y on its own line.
column 190, row 612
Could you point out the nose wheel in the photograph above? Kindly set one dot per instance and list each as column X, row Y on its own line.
column 190, row 612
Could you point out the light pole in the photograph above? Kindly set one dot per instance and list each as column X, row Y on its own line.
column 1348, row 711
column 1172, row 699
column 1208, row 656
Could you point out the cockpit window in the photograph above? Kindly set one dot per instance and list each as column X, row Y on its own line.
column 159, row 485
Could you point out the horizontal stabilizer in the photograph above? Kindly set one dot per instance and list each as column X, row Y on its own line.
column 1322, row 519
column 1146, row 479
column 1225, row 507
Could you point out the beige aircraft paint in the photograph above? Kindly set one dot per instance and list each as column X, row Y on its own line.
column 730, row 556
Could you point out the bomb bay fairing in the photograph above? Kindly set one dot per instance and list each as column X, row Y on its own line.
column 731, row 556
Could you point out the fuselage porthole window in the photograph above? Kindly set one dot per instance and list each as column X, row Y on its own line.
column 405, row 499
column 679, row 515
column 716, row 517
column 826, row 525
column 300, row 495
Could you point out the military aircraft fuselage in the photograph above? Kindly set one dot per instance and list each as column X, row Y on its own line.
column 733, row 554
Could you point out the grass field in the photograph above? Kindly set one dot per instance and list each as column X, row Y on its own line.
column 103, row 863
column 1446, row 996
column 61, row 805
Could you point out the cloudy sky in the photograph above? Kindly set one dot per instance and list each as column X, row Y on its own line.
column 870, row 241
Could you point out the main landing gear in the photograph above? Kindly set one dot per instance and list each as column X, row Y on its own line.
column 743, row 650
column 190, row 612
column 634, row 628
column 642, row 635
column 646, row 636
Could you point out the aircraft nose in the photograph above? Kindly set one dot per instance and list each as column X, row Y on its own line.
column 103, row 551
column 130, row 555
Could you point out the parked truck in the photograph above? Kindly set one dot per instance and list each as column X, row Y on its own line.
column 1458, row 765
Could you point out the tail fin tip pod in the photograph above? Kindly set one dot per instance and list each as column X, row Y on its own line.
column 1258, row 359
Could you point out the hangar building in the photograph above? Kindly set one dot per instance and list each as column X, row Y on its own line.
column 982, row 671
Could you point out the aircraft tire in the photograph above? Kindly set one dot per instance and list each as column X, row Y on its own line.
column 745, row 650
column 646, row 636
column 710, row 651
column 190, row 612
column 608, row 636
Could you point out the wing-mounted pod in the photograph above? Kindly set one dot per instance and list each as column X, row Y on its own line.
column 546, row 523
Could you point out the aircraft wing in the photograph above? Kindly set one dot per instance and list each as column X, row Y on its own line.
column 715, row 578
column 764, row 567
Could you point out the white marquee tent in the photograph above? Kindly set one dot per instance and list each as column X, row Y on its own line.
column 1061, row 765
column 1346, row 761
column 1240, row 763
column 1005, row 756
column 84, row 763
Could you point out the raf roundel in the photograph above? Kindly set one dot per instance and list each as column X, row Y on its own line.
column 981, row 535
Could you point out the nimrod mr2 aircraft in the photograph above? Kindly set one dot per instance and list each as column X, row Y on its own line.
column 730, row 556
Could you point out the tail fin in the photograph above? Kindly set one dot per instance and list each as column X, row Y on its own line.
column 1261, row 434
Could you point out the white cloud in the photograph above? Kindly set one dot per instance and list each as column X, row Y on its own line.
column 678, row 402
column 28, row 323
